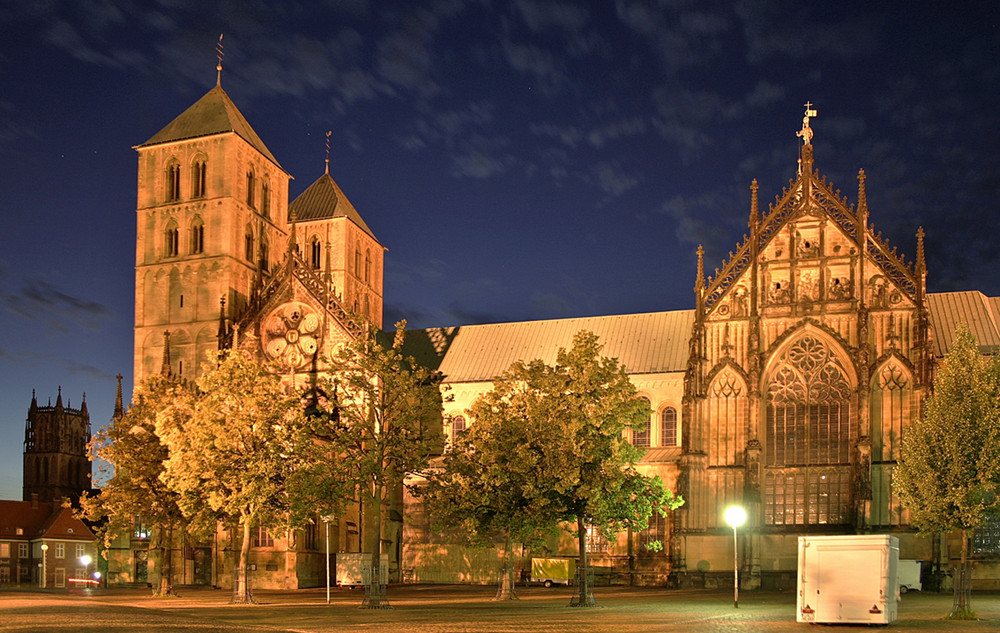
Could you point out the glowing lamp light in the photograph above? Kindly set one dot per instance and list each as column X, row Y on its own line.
column 735, row 517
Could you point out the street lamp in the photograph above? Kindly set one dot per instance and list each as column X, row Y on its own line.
column 85, row 561
column 45, row 549
column 735, row 517
column 326, row 522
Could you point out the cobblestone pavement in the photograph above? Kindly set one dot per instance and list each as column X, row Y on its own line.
column 452, row 609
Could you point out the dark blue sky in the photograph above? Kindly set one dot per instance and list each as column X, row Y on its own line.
column 520, row 160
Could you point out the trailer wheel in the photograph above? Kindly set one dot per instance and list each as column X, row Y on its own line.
column 903, row 589
column 548, row 584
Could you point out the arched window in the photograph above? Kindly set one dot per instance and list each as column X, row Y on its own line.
column 198, row 179
column 457, row 426
column 357, row 262
column 265, row 199
column 640, row 437
column 368, row 266
column 248, row 244
column 173, row 184
column 808, row 438
column 263, row 253
column 251, row 184
column 171, row 240
column 316, row 251
column 668, row 427
column 197, row 236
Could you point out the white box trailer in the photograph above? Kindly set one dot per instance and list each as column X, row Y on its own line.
column 909, row 575
column 848, row 579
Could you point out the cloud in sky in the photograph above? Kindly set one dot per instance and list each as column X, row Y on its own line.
column 40, row 299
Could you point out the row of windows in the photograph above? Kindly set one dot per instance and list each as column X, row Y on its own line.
column 22, row 550
column 196, row 241
column 172, row 185
column 668, row 429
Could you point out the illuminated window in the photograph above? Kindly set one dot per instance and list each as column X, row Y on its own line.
column 986, row 540
column 655, row 533
column 4, row 550
column 640, row 437
column 596, row 541
column 139, row 529
column 668, row 427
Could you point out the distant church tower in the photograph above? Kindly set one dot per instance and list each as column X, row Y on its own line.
column 211, row 223
column 55, row 451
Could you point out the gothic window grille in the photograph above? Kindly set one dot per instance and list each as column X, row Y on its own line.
column 316, row 250
column 640, row 437
column 655, row 532
column 265, row 199
column 597, row 543
column 457, row 426
column 173, row 182
column 668, row 427
column 986, row 539
column 198, row 179
column 892, row 405
column 808, row 438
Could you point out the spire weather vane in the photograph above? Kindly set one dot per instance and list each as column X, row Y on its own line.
column 806, row 132
column 220, row 54
column 328, row 133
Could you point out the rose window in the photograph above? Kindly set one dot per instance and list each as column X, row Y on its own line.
column 291, row 335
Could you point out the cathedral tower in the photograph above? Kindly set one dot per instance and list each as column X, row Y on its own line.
column 211, row 223
column 55, row 451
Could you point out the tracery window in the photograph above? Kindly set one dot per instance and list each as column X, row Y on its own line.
column 251, row 183
column 668, row 427
column 655, row 532
column 171, row 240
column 262, row 538
column 248, row 244
column 986, row 539
column 368, row 266
column 357, row 262
column 640, row 436
column 808, row 438
column 597, row 543
column 263, row 254
column 265, row 199
column 728, row 413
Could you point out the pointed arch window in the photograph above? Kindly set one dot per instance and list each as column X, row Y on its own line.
column 197, row 237
column 668, row 427
column 316, row 251
column 248, row 244
column 368, row 266
column 265, row 199
column 251, row 184
column 198, row 171
column 173, row 184
column 640, row 436
column 808, row 438
column 171, row 240
column 263, row 254
column 357, row 262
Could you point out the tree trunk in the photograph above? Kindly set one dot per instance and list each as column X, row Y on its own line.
column 961, row 608
column 242, row 593
column 166, row 562
column 506, row 589
column 585, row 595
column 375, row 597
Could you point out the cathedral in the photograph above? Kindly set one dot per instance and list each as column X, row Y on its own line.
column 786, row 389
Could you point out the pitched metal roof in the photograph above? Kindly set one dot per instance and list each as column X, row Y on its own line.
column 653, row 342
column 322, row 200
column 979, row 312
column 214, row 113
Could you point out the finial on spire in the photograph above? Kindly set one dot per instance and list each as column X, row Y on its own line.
column 218, row 67
column 699, row 281
column 328, row 133
column 862, row 197
column 806, row 132
column 921, row 261
column 754, row 204
column 119, row 406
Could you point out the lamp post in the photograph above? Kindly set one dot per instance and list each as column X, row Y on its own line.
column 735, row 517
column 85, row 561
column 326, row 522
column 45, row 549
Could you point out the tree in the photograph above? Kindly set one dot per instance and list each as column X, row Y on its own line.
column 231, row 457
column 130, row 452
column 949, row 466
column 493, row 481
column 387, row 424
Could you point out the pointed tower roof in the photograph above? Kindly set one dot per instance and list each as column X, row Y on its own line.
column 324, row 200
column 214, row 113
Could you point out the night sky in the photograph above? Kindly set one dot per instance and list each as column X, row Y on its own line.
column 520, row 160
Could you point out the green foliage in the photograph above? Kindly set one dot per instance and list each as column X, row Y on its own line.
column 950, row 457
